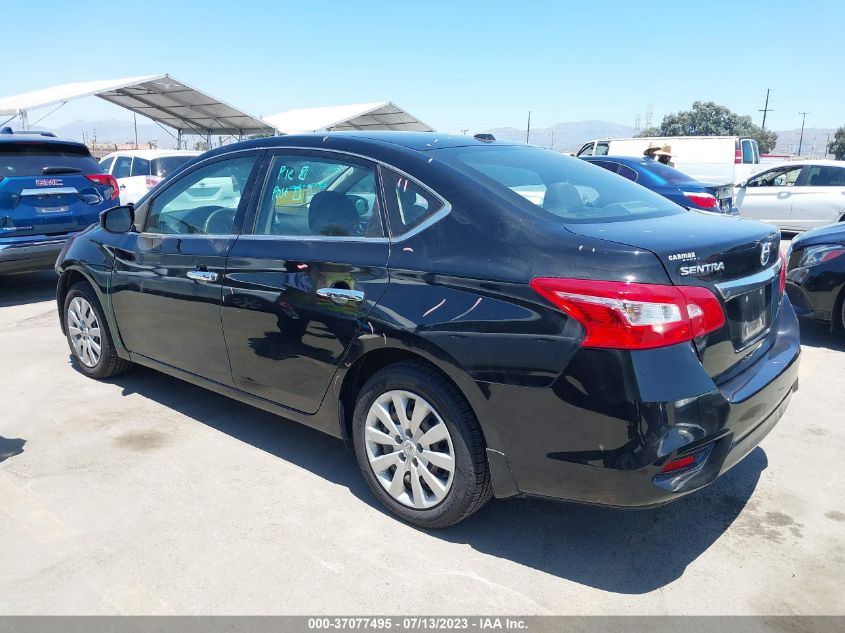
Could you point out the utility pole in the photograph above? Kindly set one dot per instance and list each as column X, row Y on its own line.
column 528, row 129
column 801, row 138
column 553, row 139
column 135, row 119
column 765, row 109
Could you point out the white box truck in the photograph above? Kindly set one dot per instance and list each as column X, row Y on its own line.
column 711, row 159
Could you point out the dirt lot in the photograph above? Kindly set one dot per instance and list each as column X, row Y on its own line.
column 148, row 495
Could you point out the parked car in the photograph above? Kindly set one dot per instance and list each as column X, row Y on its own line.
column 403, row 292
column 796, row 195
column 138, row 171
column 815, row 278
column 718, row 159
column 50, row 189
column 669, row 183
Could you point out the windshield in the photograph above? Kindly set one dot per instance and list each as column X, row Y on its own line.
column 29, row 158
column 566, row 187
column 162, row 166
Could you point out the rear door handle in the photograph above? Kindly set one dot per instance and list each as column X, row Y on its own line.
column 341, row 296
column 202, row 276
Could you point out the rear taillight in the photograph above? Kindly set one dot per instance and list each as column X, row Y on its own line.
column 704, row 200
column 107, row 180
column 622, row 315
column 152, row 181
column 738, row 156
column 782, row 278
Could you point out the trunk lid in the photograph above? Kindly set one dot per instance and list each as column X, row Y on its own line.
column 44, row 189
column 736, row 258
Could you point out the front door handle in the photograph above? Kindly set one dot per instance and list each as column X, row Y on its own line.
column 783, row 194
column 202, row 276
column 341, row 296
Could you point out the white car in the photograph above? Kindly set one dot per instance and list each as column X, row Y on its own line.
column 719, row 160
column 797, row 195
column 137, row 171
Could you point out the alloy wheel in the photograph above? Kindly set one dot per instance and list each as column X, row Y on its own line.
column 84, row 331
column 409, row 449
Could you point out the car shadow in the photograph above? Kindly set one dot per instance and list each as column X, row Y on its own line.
column 624, row 551
column 27, row 288
column 818, row 334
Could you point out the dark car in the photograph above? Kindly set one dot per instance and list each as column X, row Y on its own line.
column 403, row 292
column 669, row 183
column 815, row 277
column 50, row 189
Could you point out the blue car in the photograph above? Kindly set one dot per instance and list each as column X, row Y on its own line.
column 50, row 190
column 669, row 183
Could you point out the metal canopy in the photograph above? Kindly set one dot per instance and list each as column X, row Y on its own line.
column 380, row 115
column 161, row 98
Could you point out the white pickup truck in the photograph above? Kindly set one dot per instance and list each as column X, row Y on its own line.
column 137, row 171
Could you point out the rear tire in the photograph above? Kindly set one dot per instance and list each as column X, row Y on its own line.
column 88, row 336
column 424, row 459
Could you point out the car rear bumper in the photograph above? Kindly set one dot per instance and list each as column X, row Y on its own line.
column 30, row 253
column 586, row 439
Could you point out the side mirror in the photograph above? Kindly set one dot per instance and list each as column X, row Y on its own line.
column 118, row 219
column 742, row 184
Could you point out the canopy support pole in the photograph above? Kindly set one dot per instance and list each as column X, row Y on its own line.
column 24, row 120
column 179, row 139
column 208, row 139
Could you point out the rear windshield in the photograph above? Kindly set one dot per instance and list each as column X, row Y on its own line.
column 568, row 188
column 664, row 172
column 30, row 158
column 162, row 166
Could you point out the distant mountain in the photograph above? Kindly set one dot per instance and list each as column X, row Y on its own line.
column 115, row 131
column 815, row 141
column 568, row 137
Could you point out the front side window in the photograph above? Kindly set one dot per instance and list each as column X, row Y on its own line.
column 162, row 166
column 204, row 201
column 564, row 187
column 106, row 163
column 601, row 149
column 408, row 204
column 780, row 177
column 319, row 196
column 122, row 167
column 140, row 167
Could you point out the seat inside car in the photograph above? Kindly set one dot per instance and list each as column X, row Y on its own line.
column 332, row 213
column 562, row 196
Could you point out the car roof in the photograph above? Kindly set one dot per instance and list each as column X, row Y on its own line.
column 152, row 153
column 627, row 160
column 419, row 141
column 37, row 137
column 801, row 163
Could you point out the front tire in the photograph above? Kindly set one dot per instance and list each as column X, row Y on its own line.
column 88, row 335
column 419, row 446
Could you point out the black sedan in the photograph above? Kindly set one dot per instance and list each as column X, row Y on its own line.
column 815, row 278
column 669, row 183
column 475, row 318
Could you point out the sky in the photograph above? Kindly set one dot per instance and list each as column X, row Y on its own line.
column 454, row 64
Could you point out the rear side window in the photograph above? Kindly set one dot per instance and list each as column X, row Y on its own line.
column 564, row 187
column 825, row 176
column 140, row 167
column 122, row 167
column 627, row 172
column 408, row 204
column 161, row 167
column 312, row 196
column 749, row 152
column 27, row 158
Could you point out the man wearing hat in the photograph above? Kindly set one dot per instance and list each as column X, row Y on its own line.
column 664, row 155
column 651, row 150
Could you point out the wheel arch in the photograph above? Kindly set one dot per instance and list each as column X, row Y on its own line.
column 68, row 278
